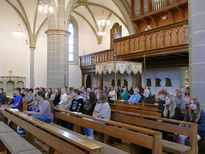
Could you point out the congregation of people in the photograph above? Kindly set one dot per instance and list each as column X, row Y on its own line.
column 94, row 102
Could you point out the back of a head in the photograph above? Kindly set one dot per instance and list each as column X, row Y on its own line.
column 77, row 91
column 18, row 90
column 41, row 93
column 103, row 98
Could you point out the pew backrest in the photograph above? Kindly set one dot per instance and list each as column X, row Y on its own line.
column 136, row 135
column 13, row 142
column 160, row 124
column 54, row 137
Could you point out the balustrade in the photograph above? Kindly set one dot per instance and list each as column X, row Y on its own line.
column 92, row 59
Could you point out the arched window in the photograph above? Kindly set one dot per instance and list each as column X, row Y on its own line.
column 73, row 42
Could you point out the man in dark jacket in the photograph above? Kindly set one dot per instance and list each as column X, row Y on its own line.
column 2, row 96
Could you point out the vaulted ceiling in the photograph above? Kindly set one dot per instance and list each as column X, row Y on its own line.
column 88, row 10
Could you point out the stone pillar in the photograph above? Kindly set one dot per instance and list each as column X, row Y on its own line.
column 32, row 49
column 197, row 49
column 57, row 51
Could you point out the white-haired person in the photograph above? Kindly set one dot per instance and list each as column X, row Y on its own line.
column 146, row 98
column 135, row 97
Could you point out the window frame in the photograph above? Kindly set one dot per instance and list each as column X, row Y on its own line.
column 75, row 42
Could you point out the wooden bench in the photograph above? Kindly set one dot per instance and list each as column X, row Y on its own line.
column 57, row 139
column 162, row 124
column 14, row 143
column 107, row 148
column 138, row 104
column 134, row 135
column 136, row 109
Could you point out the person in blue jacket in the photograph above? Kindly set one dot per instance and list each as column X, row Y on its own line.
column 196, row 115
column 16, row 104
column 135, row 97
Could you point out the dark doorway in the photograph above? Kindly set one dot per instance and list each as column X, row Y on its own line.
column 88, row 82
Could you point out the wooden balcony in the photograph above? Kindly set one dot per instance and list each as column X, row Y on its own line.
column 88, row 61
column 164, row 46
column 152, row 10
column 164, row 40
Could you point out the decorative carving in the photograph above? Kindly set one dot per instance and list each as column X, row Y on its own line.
column 152, row 40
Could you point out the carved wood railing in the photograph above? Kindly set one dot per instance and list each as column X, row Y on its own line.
column 166, row 37
column 92, row 59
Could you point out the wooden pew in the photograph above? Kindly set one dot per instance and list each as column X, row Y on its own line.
column 138, row 104
column 24, row 106
column 56, row 138
column 142, row 108
column 135, row 135
column 162, row 124
column 11, row 142
column 136, row 109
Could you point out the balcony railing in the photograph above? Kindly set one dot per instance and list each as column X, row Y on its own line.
column 97, row 57
column 156, row 39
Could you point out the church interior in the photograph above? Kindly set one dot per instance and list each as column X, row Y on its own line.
column 102, row 76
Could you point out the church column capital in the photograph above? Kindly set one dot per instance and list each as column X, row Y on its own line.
column 32, row 47
column 57, row 32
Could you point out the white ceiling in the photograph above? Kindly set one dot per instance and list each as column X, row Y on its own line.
column 89, row 9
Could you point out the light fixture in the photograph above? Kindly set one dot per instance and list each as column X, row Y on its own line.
column 164, row 18
column 46, row 6
column 102, row 22
column 19, row 32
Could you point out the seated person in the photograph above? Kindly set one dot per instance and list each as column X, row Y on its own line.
column 26, row 95
column 77, row 104
column 162, row 97
column 63, row 97
column 146, row 98
column 2, row 96
column 124, row 94
column 16, row 104
column 102, row 107
column 65, row 105
column 30, row 95
column 44, row 111
column 90, row 106
column 135, row 97
column 171, row 111
column 179, row 99
column 196, row 115
column 111, row 95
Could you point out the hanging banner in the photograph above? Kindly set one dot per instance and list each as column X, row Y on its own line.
column 121, row 66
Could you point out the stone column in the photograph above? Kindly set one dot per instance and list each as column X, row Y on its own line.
column 32, row 49
column 57, row 57
column 197, row 49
